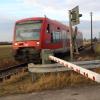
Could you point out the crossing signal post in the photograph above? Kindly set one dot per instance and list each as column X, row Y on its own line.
column 71, row 45
column 74, row 19
column 75, row 16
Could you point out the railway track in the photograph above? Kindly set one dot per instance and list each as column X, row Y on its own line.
column 6, row 73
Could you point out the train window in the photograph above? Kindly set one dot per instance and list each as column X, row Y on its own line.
column 32, row 34
column 56, row 36
column 64, row 35
column 67, row 30
column 60, row 36
column 48, row 28
column 58, row 28
column 28, row 31
column 51, row 37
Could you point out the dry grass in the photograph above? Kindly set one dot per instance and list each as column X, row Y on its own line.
column 86, row 43
column 6, row 56
column 5, row 51
column 24, row 84
column 97, row 48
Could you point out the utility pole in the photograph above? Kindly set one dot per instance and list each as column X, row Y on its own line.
column 73, row 20
column 91, row 14
column 71, row 35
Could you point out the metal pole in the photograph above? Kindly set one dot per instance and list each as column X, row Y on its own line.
column 71, row 34
column 99, row 37
column 91, row 31
column 75, row 42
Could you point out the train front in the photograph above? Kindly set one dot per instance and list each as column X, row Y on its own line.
column 26, row 43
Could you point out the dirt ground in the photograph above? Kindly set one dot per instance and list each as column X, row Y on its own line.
column 73, row 93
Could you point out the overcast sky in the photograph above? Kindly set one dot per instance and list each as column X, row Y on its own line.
column 12, row 10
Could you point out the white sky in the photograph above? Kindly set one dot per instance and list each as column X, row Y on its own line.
column 12, row 10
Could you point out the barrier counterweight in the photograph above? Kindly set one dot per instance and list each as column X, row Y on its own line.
column 86, row 73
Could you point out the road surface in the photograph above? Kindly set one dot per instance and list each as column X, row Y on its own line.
column 73, row 93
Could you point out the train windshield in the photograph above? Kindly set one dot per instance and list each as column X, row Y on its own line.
column 29, row 30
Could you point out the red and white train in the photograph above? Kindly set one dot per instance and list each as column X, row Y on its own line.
column 31, row 35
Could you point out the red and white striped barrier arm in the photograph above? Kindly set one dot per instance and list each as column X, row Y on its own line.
column 86, row 73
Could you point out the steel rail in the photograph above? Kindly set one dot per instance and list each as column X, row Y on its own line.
column 8, row 72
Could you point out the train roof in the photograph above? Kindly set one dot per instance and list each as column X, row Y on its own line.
column 45, row 18
column 28, row 19
column 40, row 18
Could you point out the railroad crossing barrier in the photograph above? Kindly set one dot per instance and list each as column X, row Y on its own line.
column 75, row 66
column 46, row 68
column 85, row 72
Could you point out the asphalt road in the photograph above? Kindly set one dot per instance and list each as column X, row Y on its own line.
column 73, row 93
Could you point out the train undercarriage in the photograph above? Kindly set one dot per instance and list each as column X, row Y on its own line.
column 28, row 55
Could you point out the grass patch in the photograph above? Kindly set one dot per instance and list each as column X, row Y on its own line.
column 97, row 49
column 5, row 51
column 6, row 56
column 45, row 82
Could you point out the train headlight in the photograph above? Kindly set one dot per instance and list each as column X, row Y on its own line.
column 37, row 43
column 16, row 44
